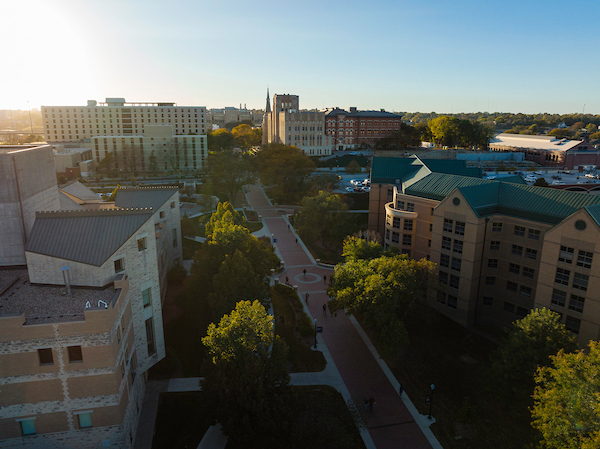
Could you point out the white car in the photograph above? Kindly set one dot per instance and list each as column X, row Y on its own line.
column 558, row 183
column 355, row 182
column 366, row 182
column 530, row 179
column 539, row 172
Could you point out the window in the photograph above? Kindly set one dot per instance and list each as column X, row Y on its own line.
column 118, row 335
column 492, row 263
column 408, row 225
column 452, row 301
column 496, row 227
column 119, row 265
column 430, row 227
column 45, row 356
column 441, row 297
column 458, row 246
column 85, row 420
column 454, row 281
column 396, row 222
column 446, row 243
column 387, row 234
column 488, row 301
column 576, row 303
column 27, row 426
column 172, row 204
column 443, row 277
column 456, row 263
column 514, row 268
column 490, row 280
column 584, row 259
column 562, row 276
column 558, row 298
column 528, row 272
column 410, row 207
column 566, row 254
column 174, row 232
column 75, row 354
column 525, row 291
column 517, row 250
column 509, row 307
column 429, row 243
column 531, row 253
column 495, row 245
column 142, row 244
column 520, row 231
column 161, row 214
column 150, row 336
column 511, row 286
column 580, row 281
column 444, row 260
column 400, row 205
column 573, row 324
column 147, row 297
column 522, row 312
column 460, row 228
column 395, row 237
column 534, row 234
column 448, row 224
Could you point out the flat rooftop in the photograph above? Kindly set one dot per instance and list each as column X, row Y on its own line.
column 46, row 304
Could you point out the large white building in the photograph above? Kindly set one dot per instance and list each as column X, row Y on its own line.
column 116, row 117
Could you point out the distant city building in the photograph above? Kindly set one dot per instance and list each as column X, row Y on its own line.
column 549, row 151
column 354, row 129
column 73, row 162
column 221, row 117
column 132, row 153
column 115, row 117
column 287, row 125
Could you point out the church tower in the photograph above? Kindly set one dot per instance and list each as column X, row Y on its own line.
column 266, row 120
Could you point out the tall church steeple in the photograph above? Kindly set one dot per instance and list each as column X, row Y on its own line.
column 266, row 119
column 268, row 107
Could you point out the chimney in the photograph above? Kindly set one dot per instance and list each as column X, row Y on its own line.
column 67, row 279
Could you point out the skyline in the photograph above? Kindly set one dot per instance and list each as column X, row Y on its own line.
column 527, row 57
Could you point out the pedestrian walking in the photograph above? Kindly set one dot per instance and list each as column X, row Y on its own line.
column 371, row 402
column 304, row 273
column 325, row 309
column 324, row 279
column 401, row 390
column 366, row 404
column 287, row 280
column 307, row 298
column 296, row 240
column 288, row 226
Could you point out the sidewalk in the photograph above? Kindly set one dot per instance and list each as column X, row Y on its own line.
column 394, row 421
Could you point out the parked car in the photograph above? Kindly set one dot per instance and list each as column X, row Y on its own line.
column 557, row 183
column 539, row 172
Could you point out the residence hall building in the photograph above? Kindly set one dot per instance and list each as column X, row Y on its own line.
column 549, row 151
column 502, row 248
column 133, row 153
column 287, row 125
column 354, row 129
column 115, row 117
column 79, row 328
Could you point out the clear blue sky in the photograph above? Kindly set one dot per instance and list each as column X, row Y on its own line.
column 445, row 56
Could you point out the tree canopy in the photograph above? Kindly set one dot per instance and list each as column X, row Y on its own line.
column 227, row 172
column 567, row 400
column 323, row 218
column 406, row 137
column 245, row 136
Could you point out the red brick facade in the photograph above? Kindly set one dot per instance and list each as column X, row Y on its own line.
column 359, row 128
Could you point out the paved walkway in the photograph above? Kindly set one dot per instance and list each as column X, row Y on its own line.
column 394, row 421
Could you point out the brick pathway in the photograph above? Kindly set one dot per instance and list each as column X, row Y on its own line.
column 390, row 424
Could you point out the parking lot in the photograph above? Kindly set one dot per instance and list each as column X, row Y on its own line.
column 553, row 177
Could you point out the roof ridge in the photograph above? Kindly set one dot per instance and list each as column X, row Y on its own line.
column 94, row 212
column 157, row 187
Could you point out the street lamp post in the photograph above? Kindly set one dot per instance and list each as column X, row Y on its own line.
column 430, row 399
column 315, row 321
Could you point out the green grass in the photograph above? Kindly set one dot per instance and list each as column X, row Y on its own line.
column 253, row 227
column 293, row 325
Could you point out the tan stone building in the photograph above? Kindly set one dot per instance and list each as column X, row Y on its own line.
column 501, row 248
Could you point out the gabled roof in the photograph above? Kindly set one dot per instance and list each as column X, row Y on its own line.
column 80, row 192
column 153, row 197
column 438, row 186
column 68, row 203
column 387, row 170
column 594, row 212
column 89, row 237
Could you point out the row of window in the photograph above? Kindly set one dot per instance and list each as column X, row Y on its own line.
column 47, row 358
column 584, row 258
column 448, row 300
column 457, row 247
column 458, row 227
column 450, row 280
column 580, row 280
column 28, row 424
column 408, row 224
column 406, row 238
column 513, row 268
column 559, row 298
column 454, row 263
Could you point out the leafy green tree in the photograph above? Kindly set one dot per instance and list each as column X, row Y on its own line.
column 323, row 218
column 246, row 377
column 445, row 130
column 353, row 168
column 567, row 400
column 153, row 164
column 383, row 291
column 220, row 140
column 529, row 344
column 541, row 182
column 327, row 182
column 225, row 214
column 561, row 133
column 356, row 248
column 107, row 163
column 227, row 172
column 245, row 136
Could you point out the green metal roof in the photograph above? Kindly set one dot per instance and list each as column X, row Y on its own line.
column 387, row 170
column 594, row 212
column 438, row 186
column 452, row 167
column 515, row 179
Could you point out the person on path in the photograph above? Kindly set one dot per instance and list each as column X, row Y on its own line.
column 401, row 390
column 304, row 273
column 288, row 226
column 287, row 280
column 366, row 404
column 296, row 240
column 324, row 279
column 371, row 402
column 306, row 298
column 325, row 309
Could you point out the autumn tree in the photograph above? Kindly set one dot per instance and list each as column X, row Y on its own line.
column 353, row 168
column 220, row 140
column 356, row 248
column 245, row 136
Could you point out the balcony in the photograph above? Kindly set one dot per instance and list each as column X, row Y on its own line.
column 391, row 210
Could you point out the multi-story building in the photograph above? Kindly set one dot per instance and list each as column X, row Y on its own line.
column 73, row 162
column 359, row 128
column 133, row 153
column 115, row 117
column 501, row 248
column 220, row 117
column 287, row 125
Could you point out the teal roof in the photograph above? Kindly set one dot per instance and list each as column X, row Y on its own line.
column 438, row 186
column 387, row 170
column 594, row 212
column 515, row 179
column 452, row 167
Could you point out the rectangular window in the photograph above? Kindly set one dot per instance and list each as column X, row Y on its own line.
column 395, row 237
column 443, row 276
column 444, row 260
column 496, row 227
column 520, row 231
column 452, row 301
column 387, row 234
column 509, row 307
column 580, row 281
column 142, row 244
column 558, row 298
column 573, row 324
column 522, row 312
column 45, row 356
column 576, row 303
column 441, row 297
column 75, row 354
column 172, row 204
column 495, row 245
column 488, row 301
column 85, row 420
column 531, row 253
column 456, row 263
column 407, row 239
column 490, row 280
column 517, row 250
column 161, row 214
column 566, row 254
column 562, row 276
column 511, row 286
column 410, row 207
column 27, row 427
column 534, row 234
column 528, row 272
column 584, row 259
column 429, row 243
column 448, row 225
column 446, row 243
column 514, row 268
column 459, row 228
column 150, row 336
column 400, row 205
column 525, row 291
column 492, row 263
column 408, row 225
column 119, row 265
column 458, row 246
column 174, row 232
column 396, row 223
column 147, row 297
column 430, row 227
column 454, row 281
